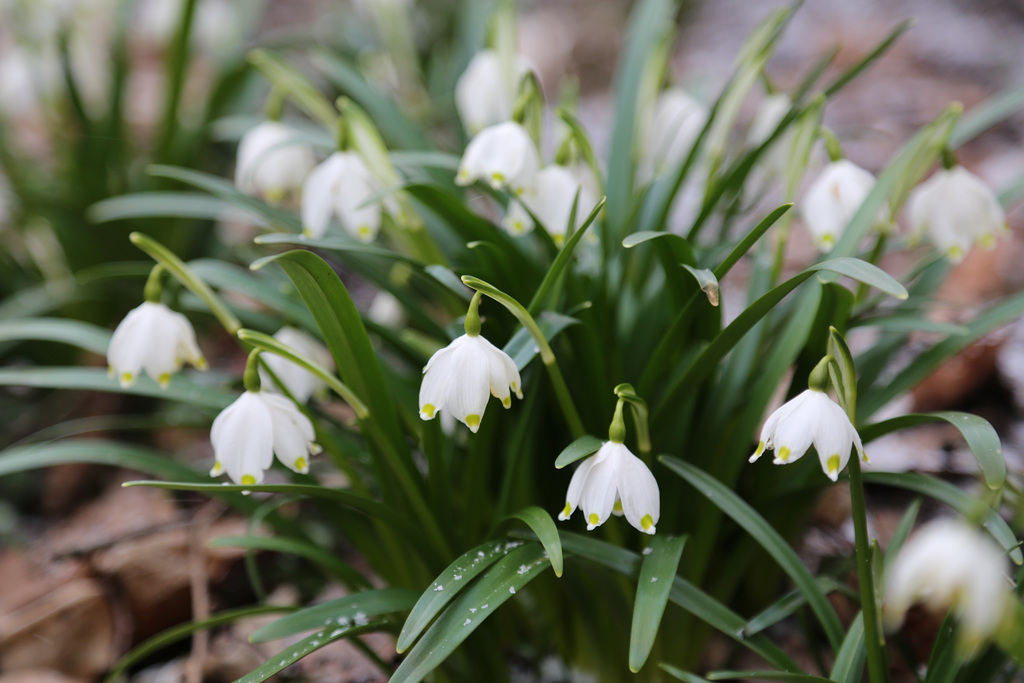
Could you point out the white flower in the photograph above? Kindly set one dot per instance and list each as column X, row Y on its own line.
column 386, row 310
column 502, row 155
column 949, row 564
column 673, row 126
column 775, row 159
column 153, row 338
column 484, row 93
column 614, row 480
column 300, row 383
column 551, row 202
column 955, row 210
column 461, row 377
column 251, row 431
column 271, row 162
column 810, row 418
column 832, row 199
column 341, row 186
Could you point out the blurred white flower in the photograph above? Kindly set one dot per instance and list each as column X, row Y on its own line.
column 153, row 338
column 614, row 481
column 954, row 209
column 340, row 187
column 461, row 377
column 832, row 199
column 386, row 310
column 215, row 27
column 272, row 162
column 251, row 431
column 484, row 93
column 767, row 118
column 551, row 201
column 670, row 129
column 300, row 383
column 503, row 155
column 810, row 418
column 948, row 564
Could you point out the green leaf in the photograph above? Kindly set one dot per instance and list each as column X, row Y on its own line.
column 445, row 587
column 335, row 244
column 181, row 388
column 678, row 673
column 849, row 662
column 182, row 631
column 684, row 594
column 289, row 546
column 788, row 604
column 287, row 79
column 981, row 438
column 522, row 348
column 279, row 219
column 473, row 605
column 783, row 676
column 170, row 205
column 910, row 323
column 749, row 240
column 862, row 64
column 294, row 653
column 544, row 528
column 95, row 451
column 84, row 335
column 846, row 379
column 339, row 613
column 762, row 532
column 997, row 108
column 865, row 272
column 271, row 292
column 707, row 282
column 578, row 449
column 657, row 570
column 961, row 501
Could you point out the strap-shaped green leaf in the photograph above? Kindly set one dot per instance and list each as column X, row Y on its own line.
column 169, row 205
column 334, row 566
column 681, row 675
column 781, row 676
column 543, row 526
column 339, row 613
column 755, row 525
column 578, row 449
column 473, row 605
column 75, row 332
column 521, row 346
column 657, row 570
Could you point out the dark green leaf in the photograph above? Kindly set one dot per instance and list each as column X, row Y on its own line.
column 544, row 528
column 580, row 448
column 84, row 335
column 341, row 613
column 657, row 570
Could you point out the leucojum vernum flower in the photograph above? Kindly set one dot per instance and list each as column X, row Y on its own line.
column 272, row 162
column 153, row 338
column 461, row 377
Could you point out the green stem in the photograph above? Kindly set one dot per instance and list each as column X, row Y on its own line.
column 873, row 638
column 153, row 291
column 176, row 267
column 177, row 65
column 251, row 376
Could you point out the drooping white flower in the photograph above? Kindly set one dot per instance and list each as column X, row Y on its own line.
column 272, row 162
column 614, row 481
column 954, row 209
column 674, row 123
column 386, row 310
column 485, row 93
column 251, row 431
column 461, row 377
column 340, row 187
column 810, row 418
column 503, row 155
column 551, row 201
column 948, row 564
column 300, row 383
column 832, row 199
column 153, row 338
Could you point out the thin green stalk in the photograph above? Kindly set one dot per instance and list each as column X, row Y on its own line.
column 177, row 65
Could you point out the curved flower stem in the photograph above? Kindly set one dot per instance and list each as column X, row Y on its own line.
column 176, row 267
column 268, row 344
column 547, row 356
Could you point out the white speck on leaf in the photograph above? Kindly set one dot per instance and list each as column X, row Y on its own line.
column 467, row 622
column 654, row 579
column 648, row 551
column 439, row 587
column 457, row 577
column 512, row 590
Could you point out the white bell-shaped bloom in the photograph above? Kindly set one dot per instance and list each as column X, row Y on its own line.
column 949, row 564
column 503, row 155
column 954, row 209
column 251, row 431
column 810, row 418
column 386, row 310
column 675, row 122
column 484, row 93
column 459, row 379
column 340, row 187
column 300, row 382
column 614, row 481
column 832, row 199
column 153, row 338
column 766, row 119
column 272, row 162
column 551, row 201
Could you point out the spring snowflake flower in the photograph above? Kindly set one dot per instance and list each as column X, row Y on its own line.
column 153, row 338
column 949, row 564
column 832, row 199
column 271, row 162
column 503, row 155
column 551, row 201
column 766, row 119
column 300, row 382
column 810, row 418
column 461, row 377
column 955, row 209
column 485, row 94
column 614, row 481
column 340, row 187
column 675, row 122
column 251, row 431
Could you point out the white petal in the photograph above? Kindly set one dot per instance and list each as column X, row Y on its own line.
column 469, row 386
column 293, row 432
column 638, row 491
column 356, row 185
column 317, row 194
column 599, row 493
column 576, row 486
column 242, row 438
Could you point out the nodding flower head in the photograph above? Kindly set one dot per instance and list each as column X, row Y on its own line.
column 153, row 338
column 503, row 156
column 832, row 200
column 342, row 187
column 272, row 163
